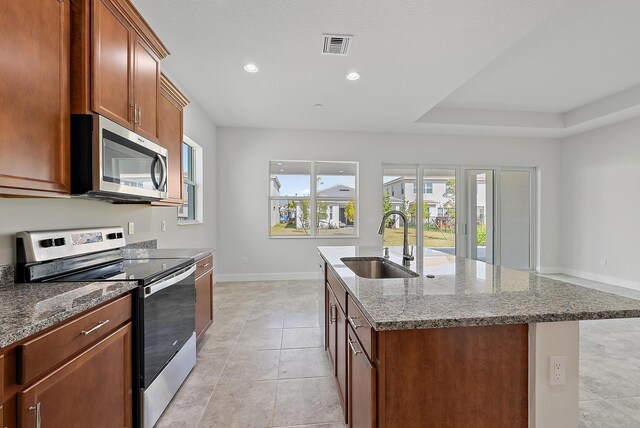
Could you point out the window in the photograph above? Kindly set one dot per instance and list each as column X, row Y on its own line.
column 313, row 199
column 191, row 211
column 428, row 187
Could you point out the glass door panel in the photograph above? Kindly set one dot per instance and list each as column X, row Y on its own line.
column 515, row 218
column 480, row 216
column 399, row 193
column 439, row 209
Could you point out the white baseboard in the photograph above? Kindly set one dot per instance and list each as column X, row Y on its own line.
column 612, row 280
column 549, row 270
column 282, row 276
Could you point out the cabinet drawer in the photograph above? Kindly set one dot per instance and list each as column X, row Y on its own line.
column 1, row 380
column 204, row 265
column 338, row 289
column 362, row 328
column 48, row 350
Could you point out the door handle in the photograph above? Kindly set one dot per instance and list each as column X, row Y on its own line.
column 163, row 179
column 332, row 315
column 37, row 409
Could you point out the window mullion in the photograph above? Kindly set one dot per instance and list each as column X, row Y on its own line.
column 313, row 204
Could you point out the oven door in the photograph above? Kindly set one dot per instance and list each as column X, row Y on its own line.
column 167, row 320
column 129, row 164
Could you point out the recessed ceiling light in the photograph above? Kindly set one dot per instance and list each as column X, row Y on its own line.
column 353, row 76
column 340, row 171
column 251, row 68
column 282, row 170
column 279, row 163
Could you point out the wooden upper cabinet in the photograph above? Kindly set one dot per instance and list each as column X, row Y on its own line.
column 170, row 129
column 34, row 89
column 119, row 75
column 147, row 87
column 112, row 47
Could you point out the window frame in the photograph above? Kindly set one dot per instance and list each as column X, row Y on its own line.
column 198, row 175
column 313, row 200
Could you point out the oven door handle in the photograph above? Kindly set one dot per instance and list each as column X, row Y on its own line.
column 149, row 290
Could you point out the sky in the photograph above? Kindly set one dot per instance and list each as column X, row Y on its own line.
column 299, row 185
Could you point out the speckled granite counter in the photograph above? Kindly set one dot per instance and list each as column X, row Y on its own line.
column 466, row 292
column 26, row 309
column 168, row 253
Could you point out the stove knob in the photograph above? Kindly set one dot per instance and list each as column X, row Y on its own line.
column 120, row 236
column 59, row 242
column 46, row 243
column 112, row 235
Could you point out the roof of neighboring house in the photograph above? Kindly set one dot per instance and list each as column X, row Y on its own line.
column 338, row 190
column 395, row 200
column 276, row 182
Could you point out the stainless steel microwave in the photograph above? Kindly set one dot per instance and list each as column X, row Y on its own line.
column 110, row 162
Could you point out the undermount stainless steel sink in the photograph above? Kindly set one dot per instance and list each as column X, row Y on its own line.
column 376, row 268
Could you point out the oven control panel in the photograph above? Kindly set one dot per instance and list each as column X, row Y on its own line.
column 55, row 244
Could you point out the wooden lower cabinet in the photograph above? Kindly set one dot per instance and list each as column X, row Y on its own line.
column 91, row 390
column 362, row 386
column 331, row 328
column 204, row 303
column 341, row 358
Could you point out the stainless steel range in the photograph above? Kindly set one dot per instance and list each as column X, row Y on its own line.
column 165, row 343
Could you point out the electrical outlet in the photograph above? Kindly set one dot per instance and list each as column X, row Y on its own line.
column 163, row 225
column 131, row 228
column 603, row 261
column 557, row 370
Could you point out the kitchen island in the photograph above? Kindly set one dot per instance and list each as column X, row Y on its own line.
column 468, row 347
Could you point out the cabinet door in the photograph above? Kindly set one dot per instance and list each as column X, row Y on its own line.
column 204, row 303
column 35, row 94
column 92, row 390
column 146, row 82
column 112, row 71
column 332, row 309
column 362, row 386
column 341, row 357
column 170, row 137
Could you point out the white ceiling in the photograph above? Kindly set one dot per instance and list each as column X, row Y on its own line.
column 547, row 68
column 588, row 50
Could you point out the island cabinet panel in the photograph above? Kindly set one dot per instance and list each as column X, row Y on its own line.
column 91, row 390
column 331, row 328
column 35, row 94
column 341, row 359
column 170, row 124
column 454, row 377
column 362, row 385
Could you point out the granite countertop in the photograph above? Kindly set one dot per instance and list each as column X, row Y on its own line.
column 168, row 253
column 27, row 309
column 467, row 292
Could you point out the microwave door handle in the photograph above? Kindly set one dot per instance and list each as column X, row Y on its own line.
column 176, row 278
column 155, row 182
column 163, row 180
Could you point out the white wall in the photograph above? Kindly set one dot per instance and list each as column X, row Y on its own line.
column 41, row 214
column 600, row 208
column 246, row 252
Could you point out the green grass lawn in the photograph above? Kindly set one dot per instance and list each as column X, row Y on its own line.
column 432, row 238
column 283, row 230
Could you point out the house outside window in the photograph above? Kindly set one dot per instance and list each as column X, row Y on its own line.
column 428, row 187
column 191, row 210
column 313, row 199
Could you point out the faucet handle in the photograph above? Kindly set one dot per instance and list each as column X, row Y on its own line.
column 410, row 256
column 386, row 252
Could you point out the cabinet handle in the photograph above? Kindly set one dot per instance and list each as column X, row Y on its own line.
column 353, row 323
column 205, row 265
column 95, row 327
column 139, row 115
column 353, row 348
column 37, row 409
column 332, row 314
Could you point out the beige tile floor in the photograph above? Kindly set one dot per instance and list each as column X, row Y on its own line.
column 261, row 364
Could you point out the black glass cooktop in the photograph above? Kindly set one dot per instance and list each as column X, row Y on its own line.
column 144, row 271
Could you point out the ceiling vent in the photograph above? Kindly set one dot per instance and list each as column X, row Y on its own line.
column 336, row 44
